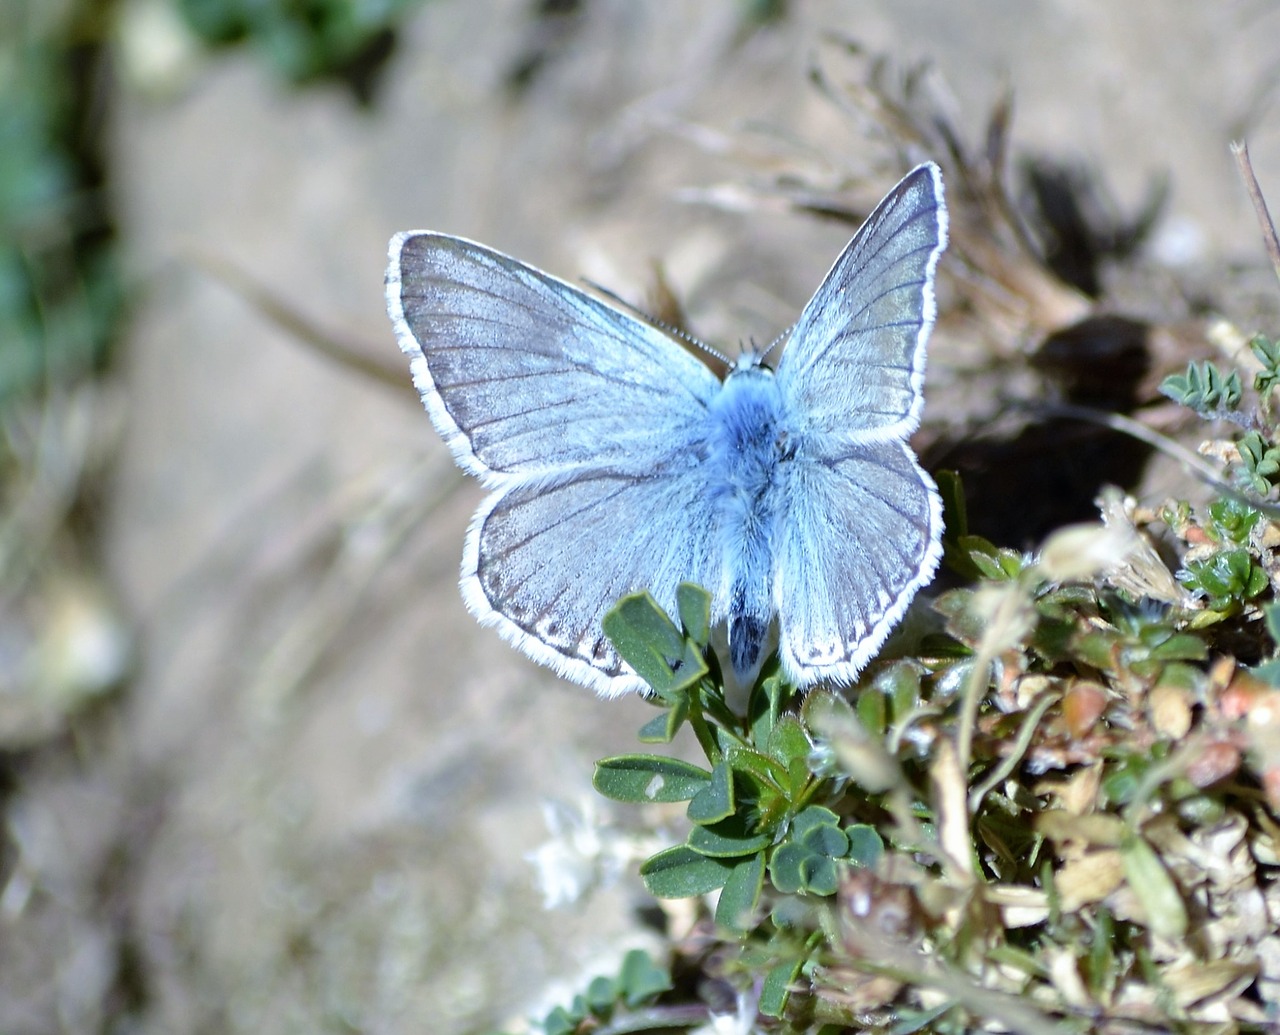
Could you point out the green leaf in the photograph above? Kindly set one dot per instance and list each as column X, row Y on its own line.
column 900, row 683
column 819, row 875
column 776, row 990
column 1122, row 783
column 729, row 838
column 601, row 995
column 954, row 508
column 1266, row 351
column 680, row 872
column 741, row 895
column 1232, row 520
column 1268, row 354
column 811, row 819
column 817, row 830
column 1227, row 578
column 1181, row 647
column 693, row 604
column 790, row 745
column 956, row 539
column 662, row 729
column 788, row 741
column 1204, row 388
column 649, row 778
column 560, row 1022
column 1259, row 460
column 714, row 801
column 865, row 845
column 1155, row 889
column 786, row 867
column 872, row 711
column 640, row 979
column 829, row 841
column 767, row 701
column 758, row 770
column 806, row 862
column 998, row 563
column 651, row 644
column 1256, row 583
column 988, row 567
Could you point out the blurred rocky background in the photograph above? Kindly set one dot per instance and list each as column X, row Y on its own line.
column 259, row 770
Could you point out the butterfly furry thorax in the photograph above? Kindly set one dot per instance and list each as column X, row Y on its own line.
column 618, row 462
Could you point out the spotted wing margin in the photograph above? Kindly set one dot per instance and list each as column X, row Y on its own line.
column 525, row 375
column 854, row 362
column 544, row 563
column 862, row 537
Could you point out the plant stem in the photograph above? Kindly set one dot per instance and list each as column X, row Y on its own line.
column 1269, row 238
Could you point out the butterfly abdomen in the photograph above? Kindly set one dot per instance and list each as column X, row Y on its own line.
column 748, row 442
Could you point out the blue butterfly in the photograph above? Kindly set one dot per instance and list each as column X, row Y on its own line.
column 619, row 462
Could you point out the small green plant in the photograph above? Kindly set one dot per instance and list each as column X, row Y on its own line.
column 1259, row 462
column 919, row 853
column 1205, row 389
column 1231, row 520
column 1267, row 352
column 1228, row 579
column 752, row 808
column 606, row 1000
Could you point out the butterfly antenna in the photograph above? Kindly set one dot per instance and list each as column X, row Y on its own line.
column 776, row 342
column 662, row 325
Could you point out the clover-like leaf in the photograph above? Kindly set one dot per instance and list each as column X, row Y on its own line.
column 640, row 979
column 680, row 872
column 649, row 778
column 865, row 845
column 715, row 799
column 741, row 893
column 818, row 829
column 795, row 868
column 806, row 861
column 648, row 640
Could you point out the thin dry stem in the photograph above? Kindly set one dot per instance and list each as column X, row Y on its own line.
column 1269, row 238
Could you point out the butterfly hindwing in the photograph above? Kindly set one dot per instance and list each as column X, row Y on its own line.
column 862, row 536
column 544, row 563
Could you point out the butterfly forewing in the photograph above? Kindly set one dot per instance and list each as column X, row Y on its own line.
column 854, row 362
column 526, row 375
